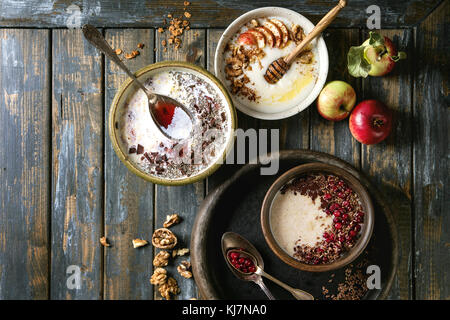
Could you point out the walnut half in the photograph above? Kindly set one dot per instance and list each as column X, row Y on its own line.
column 159, row 276
column 164, row 239
column 170, row 287
column 161, row 259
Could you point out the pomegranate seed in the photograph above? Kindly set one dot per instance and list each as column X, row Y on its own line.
column 352, row 233
column 244, row 270
column 252, row 269
column 326, row 235
column 345, row 203
column 337, row 213
column 338, row 225
column 248, row 263
column 344, row 216
column 358, row 219
column 241, row 260
column 234, row 255
column 360, row 214
column 341, row 195
column 341, row 239
column 357, row 228
column 336, row 220
column 341, row 183
column 327, row 196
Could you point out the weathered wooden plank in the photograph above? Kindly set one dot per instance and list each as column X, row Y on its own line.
column 128, row 199
column 206, row 13
column 77, row 195
column 24, row 163
column 431, row 154
column 389, row 163
column 335, row 137
column 183, row 200
column 244, row 121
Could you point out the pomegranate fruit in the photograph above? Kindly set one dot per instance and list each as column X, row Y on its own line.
column 370, row 122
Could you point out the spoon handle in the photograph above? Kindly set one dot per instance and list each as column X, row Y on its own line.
column 297, row 293
column 263, row 287
column 96, row 38
column 326, row 20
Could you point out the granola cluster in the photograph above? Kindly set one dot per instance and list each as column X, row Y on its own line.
column 176, row 27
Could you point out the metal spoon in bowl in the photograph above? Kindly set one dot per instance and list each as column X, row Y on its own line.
column 172, row 118
column 230, row 242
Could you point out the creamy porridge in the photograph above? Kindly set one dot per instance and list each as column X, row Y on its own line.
column 149, row 150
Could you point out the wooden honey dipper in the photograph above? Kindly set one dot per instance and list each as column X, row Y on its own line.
column 278, row 68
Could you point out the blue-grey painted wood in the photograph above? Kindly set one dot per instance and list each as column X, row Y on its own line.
column 128, row 198
column 183, row 200
column 205, row 13
column 24, row 163
column 77, row 184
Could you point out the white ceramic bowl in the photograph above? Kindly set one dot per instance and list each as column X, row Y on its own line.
column 294, row 17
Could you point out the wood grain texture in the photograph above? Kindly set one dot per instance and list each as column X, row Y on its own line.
column 335, row 137
column 244, row 121
column 389, row 163
column 183, row 200
column 24, row 163
column 77, row 195
column 206, row 13
column 431, row 156
column 128, row 199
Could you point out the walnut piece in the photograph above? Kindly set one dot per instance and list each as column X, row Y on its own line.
column 140, row 45
column 159, row 276
column 164, row 239
column 171, row 220
column 118, row 51
column 139, row 243
column 180, row 252
column 161, row 259
column 131, row 55
column 170, row 287
column 183, row 269
column 104, row 242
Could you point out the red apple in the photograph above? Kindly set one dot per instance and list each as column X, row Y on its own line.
column 380, row 58
column 336, row 100
column 370, row 122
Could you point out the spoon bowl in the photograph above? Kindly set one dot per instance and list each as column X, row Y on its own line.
column 172, row 118
column 232, row 242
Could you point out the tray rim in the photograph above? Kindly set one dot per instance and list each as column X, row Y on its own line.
column 206, row 292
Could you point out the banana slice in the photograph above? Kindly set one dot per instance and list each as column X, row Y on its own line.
column 270, row 38
column 284, row 32
column 275, row 31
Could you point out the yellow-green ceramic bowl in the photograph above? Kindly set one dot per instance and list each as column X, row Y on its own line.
column 128, row 87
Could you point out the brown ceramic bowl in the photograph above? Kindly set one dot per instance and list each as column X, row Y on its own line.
column 366, row 230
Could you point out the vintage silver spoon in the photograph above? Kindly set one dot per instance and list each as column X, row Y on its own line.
column 158, row 104
column 231, row 242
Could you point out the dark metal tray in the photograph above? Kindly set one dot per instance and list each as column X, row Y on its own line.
column 235, row 206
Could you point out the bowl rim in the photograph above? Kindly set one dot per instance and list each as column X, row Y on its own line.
column 357, row 187
column 321, row 79
column 134, row 169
